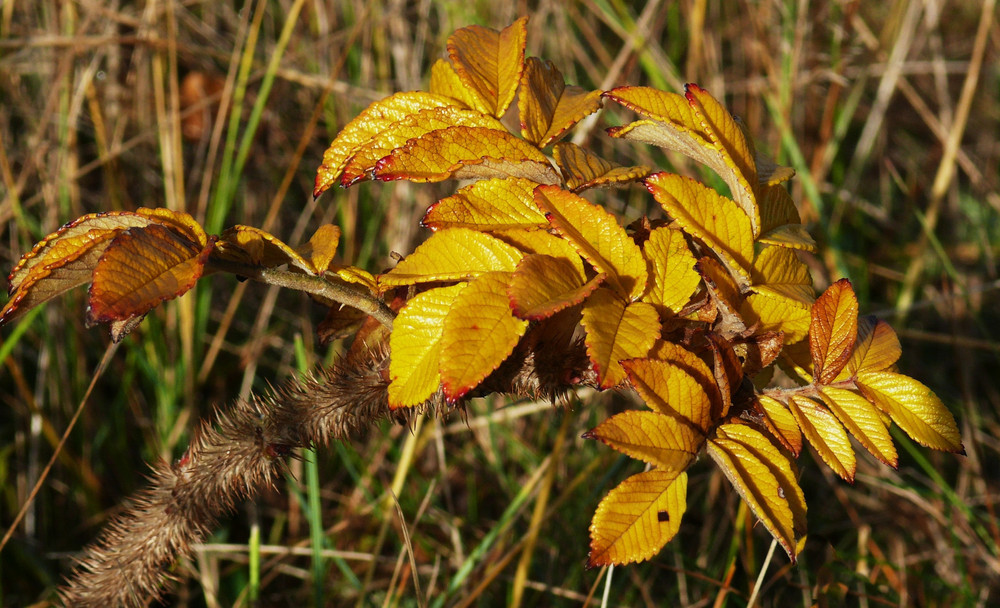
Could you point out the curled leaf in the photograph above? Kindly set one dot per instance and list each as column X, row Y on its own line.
column 583, row 170
column 547, row 107
column 489, row 63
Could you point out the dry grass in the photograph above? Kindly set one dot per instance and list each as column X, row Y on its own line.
column 889, row 112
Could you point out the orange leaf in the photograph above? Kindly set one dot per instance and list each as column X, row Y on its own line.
column 141, row 268
column 662, row 441
column 707, row 215
column 366, row 126
column 833, row 330
column 547, row 107
column 863, row 421
column 479, row 333
column 876, row 349
column 489, row 63
column 669, row 389
column 456, row 254
column 362, row 162
column 826, row 434
column 779, row 271
column 261, row 248
column 490, row 204
column 415, row 344
column 637, row 518
column 596, row 235
column 781, row 423
column 445, row 81
column 914, row 407
column 321, row 248
column 777, row 313
column 617, row 330
column 672, row 278
column 465, row 153
column 543, row 285
column 583, row 170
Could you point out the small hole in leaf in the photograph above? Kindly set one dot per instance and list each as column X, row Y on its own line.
column 662, row 516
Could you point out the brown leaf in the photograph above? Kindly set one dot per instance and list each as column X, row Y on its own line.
column 547, row 107
column 833, row 330
column 489, row 63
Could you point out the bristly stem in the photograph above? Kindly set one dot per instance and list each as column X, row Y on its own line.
column 345, row 294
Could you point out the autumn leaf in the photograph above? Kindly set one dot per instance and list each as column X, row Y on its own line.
column 777, row 313
column 877, row 348
column 479, row 333
column 662, row 441
column 598, row 237
column 861, row 418
column 637, row 518
column 489, row 63
column 543, row 285
column 781, row 423
column 583, row 170
column 366, row 126
column 261, row 248
column 465, row 153
column 617, row 330
column 833, row 330
column 541, row 242
column 739, row 452
column 321, row 248
column 780, row 223
column 826, row 434
column 669, row 389
column 779, row 271
column 707, row 215
column 724, row 293
column 914, row 407
column 455, row 254
column 415, row 344
column 486, row 205
column 672, row 277
column 547, row 107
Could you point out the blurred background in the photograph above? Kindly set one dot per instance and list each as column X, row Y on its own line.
column 888, row 111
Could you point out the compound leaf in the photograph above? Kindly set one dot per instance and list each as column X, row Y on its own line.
column 863, row 421
column 826, row 434
column 617, row 330
column 877, row 348
column 833, row 330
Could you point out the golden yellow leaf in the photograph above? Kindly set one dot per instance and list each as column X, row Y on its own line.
column 366, row 126
column 914, row 407
column 876, row 349
column 672, row 278
column 777, row 313
column 776, row 208
column 598, row 237
column 755, row 481
column 479, row 333
column 779, row 271
column 669, row 389
column 362, row 162
column 543, row 243
column 321, row 248
column 583, row 170
column 833, row 330
column 792, row 236
column 826, row 434
column 637, row 518
column 489, row 63
column 415, row 346
column 707, row 215
column 465, row 153
column 543, row 285
column 781, row 423
column 261, row 248
column 455, row 254
column 662, row 441
column 861, row 418
column 141, row 268
column 694, row 366
column 445, row 81
column 617, row 330
column 489, row 204
column 547, row 107
column 355, row 275
column 669, row 109
column 780, row 466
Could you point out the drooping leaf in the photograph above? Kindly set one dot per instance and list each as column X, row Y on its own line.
column 465, row 153
column 455, row 254
column 876, row 349
column 780, row 466
column 779, row 271
column 826, row 434
column 354, row 275
column 141, row 268
column 757, row 484
column 362, row 162
column 415, row 346
column 261, row 248
column 672, row 278
column 777, row 313
column 780, row 222
column 489, row 63
column 366, row 126
column 781, row 423
column 705, row 214
column 637, row 518
column 670, row 390
column 543, row 285
column 583, row 170
column 547, row 107
column 726, row 367
column 724, row 294
column 833, row 330
column 861, row 418
column 490, row 204
column 598, row 237
column 662, row 441
column 479, row 333
column 617, row 330
column 321, row 248
column 914, row 407
column 445, row 81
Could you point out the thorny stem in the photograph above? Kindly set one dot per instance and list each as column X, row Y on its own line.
column 345, row 294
